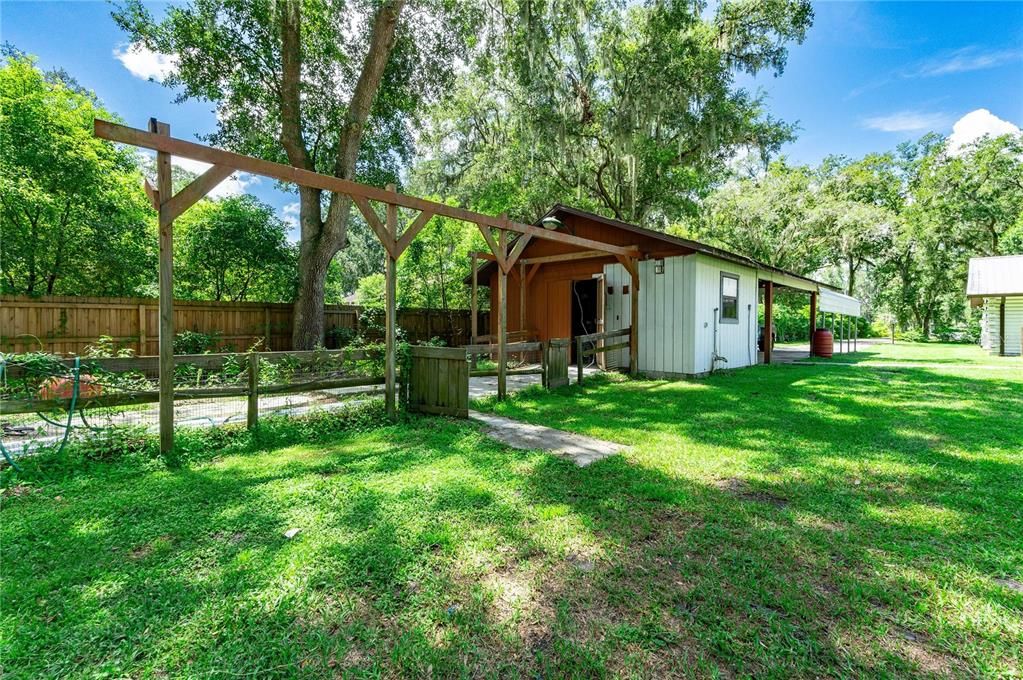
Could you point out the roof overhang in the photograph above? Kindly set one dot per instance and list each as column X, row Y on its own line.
column 995, row 276
column 838, row 303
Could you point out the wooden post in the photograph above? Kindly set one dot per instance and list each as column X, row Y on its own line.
column 253, row 414
column 543, row 364
column 522, row 297
column 474, row 321
column 143, row 340
column 813, row 318
column 768, row 320
column 579, row 359
column 1001, row 328
column 502, row 317
column 164, row 186
column 634, row 317
column 390, row 302
column 856, row 334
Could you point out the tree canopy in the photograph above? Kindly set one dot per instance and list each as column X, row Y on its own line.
column 74, row 218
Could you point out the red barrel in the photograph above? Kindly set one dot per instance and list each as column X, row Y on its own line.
column 823, row 344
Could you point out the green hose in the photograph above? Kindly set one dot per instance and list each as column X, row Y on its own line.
column 76, row 373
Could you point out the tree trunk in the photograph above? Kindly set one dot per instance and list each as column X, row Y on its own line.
column 322, row 239
column 852, row 276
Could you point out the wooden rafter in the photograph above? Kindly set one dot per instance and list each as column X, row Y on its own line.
column 516, row 252
column 412, row 230
column 152, row 193
column 195, row 191
column 373, row 220
column 532, row 272
column 287, row 173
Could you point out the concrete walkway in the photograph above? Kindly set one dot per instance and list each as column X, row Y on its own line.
column 580, row 449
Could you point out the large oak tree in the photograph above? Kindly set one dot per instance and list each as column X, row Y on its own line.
column 325, row 85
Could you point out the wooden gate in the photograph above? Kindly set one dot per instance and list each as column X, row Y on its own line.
column 557, row 363
column 439, row 381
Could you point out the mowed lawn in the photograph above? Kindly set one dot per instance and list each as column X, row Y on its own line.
column 776, row 521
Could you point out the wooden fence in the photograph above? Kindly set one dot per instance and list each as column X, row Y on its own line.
column 68, row 325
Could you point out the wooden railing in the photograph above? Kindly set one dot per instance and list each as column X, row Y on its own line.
column 598, row 346
column 149, row 367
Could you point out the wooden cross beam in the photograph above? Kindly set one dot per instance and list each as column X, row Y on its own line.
column 287, row 173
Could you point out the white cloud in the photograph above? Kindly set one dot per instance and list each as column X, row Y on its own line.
column 144, row 63
column 968, row 59
column 977, row 124
column 907, row 121
column 290, row 213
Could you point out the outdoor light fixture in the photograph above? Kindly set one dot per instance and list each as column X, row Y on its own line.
column 551, row 223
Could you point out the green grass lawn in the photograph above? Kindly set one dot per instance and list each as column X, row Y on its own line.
column 774, row 521
column 882, row 351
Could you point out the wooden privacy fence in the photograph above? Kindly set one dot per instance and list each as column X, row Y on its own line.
column 599, row 343
column 438, row 381
column 68, row 325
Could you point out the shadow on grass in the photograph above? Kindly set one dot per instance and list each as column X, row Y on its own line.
column 428, row 550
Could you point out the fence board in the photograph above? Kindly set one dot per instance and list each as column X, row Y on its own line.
column 68, row 325
column 439, row 381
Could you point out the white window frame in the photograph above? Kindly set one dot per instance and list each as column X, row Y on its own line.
column 721, row 298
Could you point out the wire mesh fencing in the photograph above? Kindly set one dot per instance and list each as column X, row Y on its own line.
column 46, row 401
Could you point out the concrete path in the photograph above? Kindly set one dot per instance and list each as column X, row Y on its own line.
column 580, row 449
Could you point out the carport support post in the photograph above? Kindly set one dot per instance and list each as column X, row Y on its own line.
column 390, row 319
column 164, row 186
column 502, row 316
column 813, row 318
column 1001, row 328
column 768, row 320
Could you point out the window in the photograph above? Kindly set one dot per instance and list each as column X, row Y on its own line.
column 729, row 298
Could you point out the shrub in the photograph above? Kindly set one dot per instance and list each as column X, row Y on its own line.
column 194, row 342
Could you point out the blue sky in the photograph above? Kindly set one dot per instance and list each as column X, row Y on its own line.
column 868, row 76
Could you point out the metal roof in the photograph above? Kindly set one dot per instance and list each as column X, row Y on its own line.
column 837, row 303
column 993, row 276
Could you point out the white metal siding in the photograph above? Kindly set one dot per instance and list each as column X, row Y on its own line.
column 736, row 341
column 1013, row 325
column 662, row 317
column 617, row 311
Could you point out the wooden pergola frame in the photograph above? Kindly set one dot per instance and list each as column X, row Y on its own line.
column 170, row 206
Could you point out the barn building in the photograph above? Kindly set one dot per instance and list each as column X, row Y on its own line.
column 697, row 304
column 996, row 285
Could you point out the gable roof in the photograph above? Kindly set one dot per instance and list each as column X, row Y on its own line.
column 560, row 209
column 995, row 276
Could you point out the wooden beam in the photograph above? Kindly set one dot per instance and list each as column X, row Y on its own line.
column 164, row 185
column 373, row 220
column 484, row 256
column 522, row 297
column 532, row 272
column 813, row 319
column 390, row 303
column 474, row 303
column 566, row 257
column 286, row 173
column 502, row 319
column 494, row 248
column 516, row 252
column 412, row 230
column 196, row 190
column 769, row 320
column 153, row 194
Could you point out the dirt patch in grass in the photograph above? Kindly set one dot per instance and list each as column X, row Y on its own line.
column 742, row 490
column 1010, row 583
